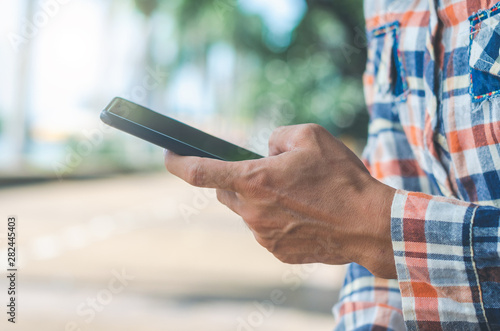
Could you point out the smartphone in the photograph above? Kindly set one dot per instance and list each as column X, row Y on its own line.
column 169, row 133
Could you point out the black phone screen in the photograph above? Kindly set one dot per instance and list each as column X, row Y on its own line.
column 170, row 133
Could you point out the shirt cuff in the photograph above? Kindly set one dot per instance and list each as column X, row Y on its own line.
column 432, row 239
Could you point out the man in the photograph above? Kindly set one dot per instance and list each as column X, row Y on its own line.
column 424, row 209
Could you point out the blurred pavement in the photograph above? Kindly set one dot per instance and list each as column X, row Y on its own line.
column 185, row 262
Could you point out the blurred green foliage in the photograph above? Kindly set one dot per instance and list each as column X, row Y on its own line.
column 313, row 75
column 316, row 78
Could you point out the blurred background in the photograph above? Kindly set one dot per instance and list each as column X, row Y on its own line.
column 95, row 206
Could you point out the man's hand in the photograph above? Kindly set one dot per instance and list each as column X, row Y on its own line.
column 311, row 200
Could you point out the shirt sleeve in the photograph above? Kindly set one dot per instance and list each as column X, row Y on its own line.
column 368, row 303
column 447, row 255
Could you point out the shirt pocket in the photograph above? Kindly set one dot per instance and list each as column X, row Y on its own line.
column 385, row 74
column 484, row 54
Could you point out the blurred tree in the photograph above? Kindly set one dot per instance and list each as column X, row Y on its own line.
column 316, row 77
column 147, row 7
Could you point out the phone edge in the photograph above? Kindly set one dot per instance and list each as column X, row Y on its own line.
column 113, row 120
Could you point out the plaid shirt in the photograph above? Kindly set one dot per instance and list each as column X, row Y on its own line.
column 432, row 86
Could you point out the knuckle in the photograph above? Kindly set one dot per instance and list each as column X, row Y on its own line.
column 168, row 164
column 255, row 219
column 275, row 247
column 256, row 183
column 267, row 243
column 282, row 257
column 312, row 135
column 309, row 130
column 195, row 174
column 279, row 130
column 275, row 136
column 261, row 241
column 259, row 227
column 220, row 196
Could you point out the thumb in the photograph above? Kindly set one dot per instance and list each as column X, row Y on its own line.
column 281, row 140
column 287, row 138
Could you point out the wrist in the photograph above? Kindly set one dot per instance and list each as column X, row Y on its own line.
column 376, row 252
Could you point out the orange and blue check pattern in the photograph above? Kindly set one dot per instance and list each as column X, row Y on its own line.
column 432, row 86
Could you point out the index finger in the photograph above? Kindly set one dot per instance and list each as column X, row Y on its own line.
column 202, row 172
